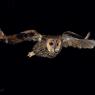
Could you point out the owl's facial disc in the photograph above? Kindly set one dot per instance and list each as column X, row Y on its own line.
column 58, row 45
column 53, row 45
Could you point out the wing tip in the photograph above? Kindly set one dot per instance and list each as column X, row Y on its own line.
column 87, row 36
column 2, row 35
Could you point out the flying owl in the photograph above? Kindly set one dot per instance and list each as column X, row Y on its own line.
column 47, row 45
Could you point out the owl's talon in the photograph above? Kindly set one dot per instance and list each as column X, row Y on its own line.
column 30, row 54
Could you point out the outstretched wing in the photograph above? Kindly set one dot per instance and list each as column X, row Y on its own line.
column 27, row 35
column 76, row 42
column 72, row 34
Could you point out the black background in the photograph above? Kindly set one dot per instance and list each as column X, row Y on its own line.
column 47, row 17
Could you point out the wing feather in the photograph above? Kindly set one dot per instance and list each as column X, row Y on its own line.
column 28, row 35
column 69, row 41
column 72, row 34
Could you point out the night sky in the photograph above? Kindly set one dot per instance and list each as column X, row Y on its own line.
column 47, row 18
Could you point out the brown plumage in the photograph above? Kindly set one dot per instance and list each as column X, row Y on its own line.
column 45, row 48
column 49, row 46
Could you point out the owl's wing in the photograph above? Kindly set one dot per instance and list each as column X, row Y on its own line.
column 72, row 34
column 27, row 35
column 76, row 42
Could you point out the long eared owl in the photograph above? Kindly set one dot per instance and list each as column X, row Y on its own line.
column 47, row 45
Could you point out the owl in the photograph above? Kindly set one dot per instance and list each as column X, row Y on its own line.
column 47, row 45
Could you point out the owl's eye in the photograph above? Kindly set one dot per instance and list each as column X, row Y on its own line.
column 51, row 43
column 57, row 44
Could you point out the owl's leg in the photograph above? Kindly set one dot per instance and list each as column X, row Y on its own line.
column 30, row 54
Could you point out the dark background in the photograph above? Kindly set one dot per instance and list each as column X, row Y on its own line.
column 47, row 17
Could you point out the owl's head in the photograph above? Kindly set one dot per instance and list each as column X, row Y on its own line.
column 54, row 44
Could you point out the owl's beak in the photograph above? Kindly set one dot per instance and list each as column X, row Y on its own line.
column 56, row 50
column 53, row 50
